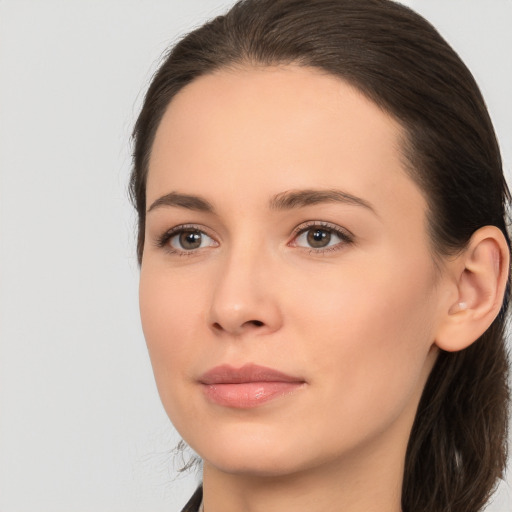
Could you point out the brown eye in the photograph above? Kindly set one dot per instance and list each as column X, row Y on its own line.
column 190, row 240
column 318, row 238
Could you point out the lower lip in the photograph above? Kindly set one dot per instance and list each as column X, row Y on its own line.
column 247, row 395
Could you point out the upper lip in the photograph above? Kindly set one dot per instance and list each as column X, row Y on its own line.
column 226, row 374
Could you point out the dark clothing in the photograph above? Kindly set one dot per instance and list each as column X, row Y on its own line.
column 194, row 503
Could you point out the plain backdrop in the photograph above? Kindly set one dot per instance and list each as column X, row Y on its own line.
column 81, row 425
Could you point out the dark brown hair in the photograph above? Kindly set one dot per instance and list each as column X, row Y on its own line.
column 457, row 448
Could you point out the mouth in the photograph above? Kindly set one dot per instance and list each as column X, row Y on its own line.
column 247, row 387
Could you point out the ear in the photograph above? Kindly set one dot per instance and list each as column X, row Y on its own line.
column 479, row 275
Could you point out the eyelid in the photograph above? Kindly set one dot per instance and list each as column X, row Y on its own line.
column 344, row 234
column 162, row 241
column 304, row 226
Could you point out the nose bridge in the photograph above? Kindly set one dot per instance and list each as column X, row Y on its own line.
column 244, row 297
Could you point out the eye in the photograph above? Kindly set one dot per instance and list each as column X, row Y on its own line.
column 189, row 240
column 183, row 239
column 320, row 236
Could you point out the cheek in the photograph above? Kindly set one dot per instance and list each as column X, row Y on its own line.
column 372, row 330
column 171, row 313
column 367, row 295
column 170, row 309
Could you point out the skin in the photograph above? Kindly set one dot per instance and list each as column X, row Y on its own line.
column 357, row 320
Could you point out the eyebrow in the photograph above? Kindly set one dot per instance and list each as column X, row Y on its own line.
column 288, row 200
column 187, row 201
column 292, row 199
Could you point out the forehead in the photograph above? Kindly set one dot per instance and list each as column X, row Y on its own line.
column 262, row 130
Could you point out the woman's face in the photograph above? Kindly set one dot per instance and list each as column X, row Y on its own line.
column 283, row 232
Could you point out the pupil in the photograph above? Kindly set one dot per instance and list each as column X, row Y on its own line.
column 319, row 238
column 190, row 239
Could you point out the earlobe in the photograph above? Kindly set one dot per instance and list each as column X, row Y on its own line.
column 481, row 274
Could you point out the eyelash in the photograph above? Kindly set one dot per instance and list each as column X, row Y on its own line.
column 343, row 234
column 163, row 240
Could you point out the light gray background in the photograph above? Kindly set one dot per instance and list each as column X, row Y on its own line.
column 81, row 426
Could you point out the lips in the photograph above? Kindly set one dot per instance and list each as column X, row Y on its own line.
column 246, row 387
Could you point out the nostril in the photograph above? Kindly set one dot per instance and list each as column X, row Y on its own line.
column 239, row 328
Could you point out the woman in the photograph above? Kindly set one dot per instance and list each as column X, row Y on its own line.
column 325, row 260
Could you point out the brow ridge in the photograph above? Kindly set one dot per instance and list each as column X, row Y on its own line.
column 287, row 200
column 190, row 202
column 291, row 199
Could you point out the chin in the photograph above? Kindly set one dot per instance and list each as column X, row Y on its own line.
column 251, row 464
column 252, row 452
column 267, row 454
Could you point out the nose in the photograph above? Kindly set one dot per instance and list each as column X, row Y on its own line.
column 245, row 296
